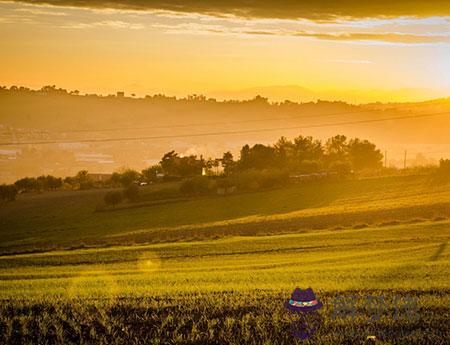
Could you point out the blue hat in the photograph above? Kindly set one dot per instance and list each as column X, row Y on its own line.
column 303, row 300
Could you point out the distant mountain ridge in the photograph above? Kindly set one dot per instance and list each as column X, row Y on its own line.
column 296, row 93
column 69, row 118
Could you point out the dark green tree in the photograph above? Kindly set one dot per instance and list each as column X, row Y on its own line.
column 364, row 155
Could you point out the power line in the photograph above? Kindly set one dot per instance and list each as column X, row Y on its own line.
column 202, row 124
column 223, row 122
column 191, row 135
column 294, row 117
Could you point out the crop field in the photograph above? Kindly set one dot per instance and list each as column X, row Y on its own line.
column 218, row 270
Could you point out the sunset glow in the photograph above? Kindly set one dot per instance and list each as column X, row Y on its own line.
column 146, row 51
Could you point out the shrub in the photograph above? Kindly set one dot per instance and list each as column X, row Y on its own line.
column 131, row 192
column 199, row 185
column 307, row 166
column 128, row 177
column 342, row 168
column 113, row 198
column 125, row 178
column 258, row 179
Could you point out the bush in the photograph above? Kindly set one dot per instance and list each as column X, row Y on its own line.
column 113, row 198
column 131, row 192
column 199, row 185
column 342, row 168
column 125, row 178
column 307, row 166
column 259, row 179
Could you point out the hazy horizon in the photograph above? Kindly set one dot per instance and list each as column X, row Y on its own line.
column 224, row 172
column 274, row 93
column 87, row 132
column 359, row 54
column 355, row 52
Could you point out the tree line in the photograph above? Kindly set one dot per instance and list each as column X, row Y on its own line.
column 301, row 155
column 53, row 90
column 258, row 166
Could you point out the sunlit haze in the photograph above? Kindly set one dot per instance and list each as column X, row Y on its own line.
column 235, row 172
column 147, row 49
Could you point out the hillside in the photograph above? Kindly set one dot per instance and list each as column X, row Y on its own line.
column 71, row 219
column 218, row 269
column 71, row 119
column 387, row 257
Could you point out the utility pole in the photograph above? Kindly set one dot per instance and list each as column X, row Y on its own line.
column 385, row 159
column 404, row 161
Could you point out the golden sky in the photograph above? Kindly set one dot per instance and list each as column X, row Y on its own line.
column 335, row 49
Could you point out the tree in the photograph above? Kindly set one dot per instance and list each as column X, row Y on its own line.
column 306, row 148
column 150, row 174
column 54, row 182
column 212, row 167
column 336, row 148
column 8, row 192
column 228, row 163
column 26, row 184
column 443, row 172
column 168, row 162
column 128, row 177
column 115, row 178
column 364, row 155
column 70, row 180
column 113, row 198
column 187, row 166
column 83, row 179
column 259, row 157
column 284, row 148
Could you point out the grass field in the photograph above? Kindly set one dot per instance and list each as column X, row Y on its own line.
column 68, row 219
column 217, row 270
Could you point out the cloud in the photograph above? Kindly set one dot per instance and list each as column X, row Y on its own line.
column 231, row 18
column 114, row 24
column 354, row 36
column 349, row 61
column 383, row 37
column 36, row 11
column 320, row 10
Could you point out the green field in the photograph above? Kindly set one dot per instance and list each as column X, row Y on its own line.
column 217, row 270
column 62, row 220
